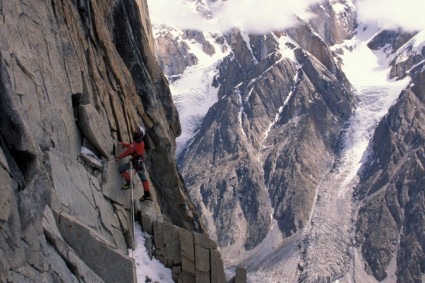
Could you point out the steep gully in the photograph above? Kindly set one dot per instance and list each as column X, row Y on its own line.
column 325, row 250
column 327, row 243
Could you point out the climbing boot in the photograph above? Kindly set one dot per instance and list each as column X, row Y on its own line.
column 146, row 196
column 126, row 186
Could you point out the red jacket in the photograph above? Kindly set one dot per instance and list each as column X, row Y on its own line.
column 134, row 149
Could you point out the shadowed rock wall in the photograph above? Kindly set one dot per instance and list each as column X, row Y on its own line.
column 77, row 76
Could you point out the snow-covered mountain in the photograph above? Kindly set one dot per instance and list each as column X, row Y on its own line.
column 302, row 148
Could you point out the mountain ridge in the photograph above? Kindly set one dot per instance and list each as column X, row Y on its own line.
column 233, row 159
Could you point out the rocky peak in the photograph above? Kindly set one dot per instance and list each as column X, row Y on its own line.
column 392, row 40
column 309, row 40
column 173, row 66
column 334, row 21
column 408, row 50
column 270, row 94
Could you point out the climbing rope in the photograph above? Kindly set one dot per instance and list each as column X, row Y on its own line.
column 132, row 204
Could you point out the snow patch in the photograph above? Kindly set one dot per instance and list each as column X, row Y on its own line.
column 276, row 118
column 284, row 49
column 245, row 37
column 341, row 8
column 193, row 93
column 413, row 46
column 241, row 109
column 338, row 8
column 368, row 72
column 147, row 268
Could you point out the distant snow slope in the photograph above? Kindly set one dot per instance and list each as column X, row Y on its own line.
column 193, row 92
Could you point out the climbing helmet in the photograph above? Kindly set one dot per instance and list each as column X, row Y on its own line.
column 139, row 132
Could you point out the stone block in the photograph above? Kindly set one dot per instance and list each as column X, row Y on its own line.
column 112, row 182
column 149, row 216
column 98, row 254
column 147, row 224
column 92, row 161
column 73, row 187
column 217, row 267
column 202, row 264
column 123, row 217
column 177, row 270
column 95, row 128
column 240, row 275
column 49, row 223
column 203, row 241
column 158, row 238
column 111, row 227
column 202, row 259
column 202, row 277
column 81, row 195
column 188, row 256
column 187, row 244
column 186, row 276
column 172, row 244
column 81, row 270
column 3, row 161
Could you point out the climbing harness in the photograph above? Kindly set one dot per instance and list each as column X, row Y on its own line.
column 138, row 162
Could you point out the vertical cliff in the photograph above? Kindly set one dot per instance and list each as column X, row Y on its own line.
column 76, row 77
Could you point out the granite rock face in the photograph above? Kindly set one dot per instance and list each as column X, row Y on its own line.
column 173, row 51
column 78, row 76
column 392, row 40
column 173, row 66
column 334, row 21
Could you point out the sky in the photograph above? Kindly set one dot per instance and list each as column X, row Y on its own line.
column 405, row 14
column 251, row 15
column 257, row 16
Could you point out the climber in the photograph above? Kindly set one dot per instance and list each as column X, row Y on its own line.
column 136, row 149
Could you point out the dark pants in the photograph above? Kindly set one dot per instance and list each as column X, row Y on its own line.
column 126, row 167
